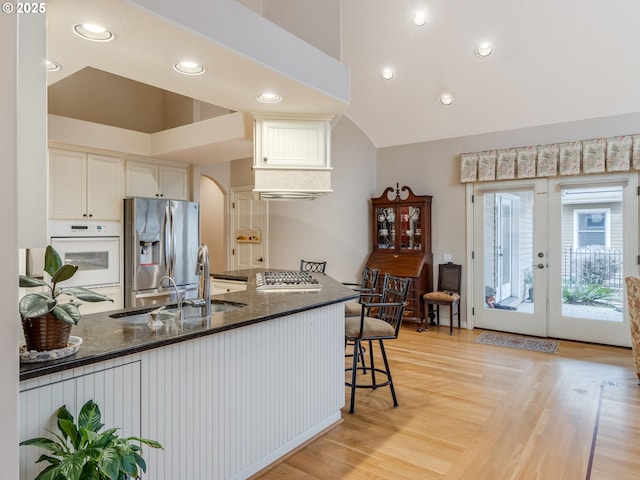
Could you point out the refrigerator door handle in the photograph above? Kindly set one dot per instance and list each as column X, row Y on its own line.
column 173, row 241
column 168, row 241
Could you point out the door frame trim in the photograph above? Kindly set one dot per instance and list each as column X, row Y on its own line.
column 469, row 276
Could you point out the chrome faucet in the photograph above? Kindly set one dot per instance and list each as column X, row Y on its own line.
column 179, row 298
column 202, row 269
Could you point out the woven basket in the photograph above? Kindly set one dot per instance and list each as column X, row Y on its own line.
column 45, row 333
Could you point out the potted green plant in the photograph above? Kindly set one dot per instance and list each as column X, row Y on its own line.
column 81, row 452
column 45, row 321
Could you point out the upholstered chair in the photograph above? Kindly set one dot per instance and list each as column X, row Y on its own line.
column 448, row 293
column 383, row 325
column 367, row 287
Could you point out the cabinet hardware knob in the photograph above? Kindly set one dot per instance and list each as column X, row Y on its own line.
column 264, row 159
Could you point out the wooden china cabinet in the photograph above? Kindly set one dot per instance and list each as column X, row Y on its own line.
column 402, row 243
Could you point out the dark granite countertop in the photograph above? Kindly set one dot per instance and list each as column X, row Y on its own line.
column 105, row 337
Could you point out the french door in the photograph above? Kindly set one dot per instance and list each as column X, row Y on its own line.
column 550, row 256
column 509, row 238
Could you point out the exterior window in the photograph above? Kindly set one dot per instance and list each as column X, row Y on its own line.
column 592, row 227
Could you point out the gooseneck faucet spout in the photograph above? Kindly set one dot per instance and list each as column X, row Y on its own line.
column 202, row 269
column 179, row 298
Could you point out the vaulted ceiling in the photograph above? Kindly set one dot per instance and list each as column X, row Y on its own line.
column 553, row 61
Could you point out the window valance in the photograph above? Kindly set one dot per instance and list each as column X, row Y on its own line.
column 614, row 154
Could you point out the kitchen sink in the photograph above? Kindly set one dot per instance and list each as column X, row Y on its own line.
column 189, row 313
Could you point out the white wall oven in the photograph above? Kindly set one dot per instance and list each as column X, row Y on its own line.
column 94, row 247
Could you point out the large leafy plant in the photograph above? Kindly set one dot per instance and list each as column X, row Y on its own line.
column 81, row 452
column 35, row 305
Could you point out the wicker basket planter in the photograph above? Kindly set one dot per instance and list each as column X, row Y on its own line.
column 45, row 333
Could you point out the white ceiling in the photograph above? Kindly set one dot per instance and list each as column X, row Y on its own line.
column 554, row 61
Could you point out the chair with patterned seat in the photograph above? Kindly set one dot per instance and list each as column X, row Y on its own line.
column 384, row 324
column 449, row 282
column 312, row 267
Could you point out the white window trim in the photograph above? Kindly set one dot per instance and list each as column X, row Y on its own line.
column 607, row 224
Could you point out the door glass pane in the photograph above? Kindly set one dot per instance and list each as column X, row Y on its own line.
column 410, row 231
column 508, row 250
column 385, row 228
column 592, row 246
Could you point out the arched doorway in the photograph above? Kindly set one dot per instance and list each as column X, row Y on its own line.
column 213, row 222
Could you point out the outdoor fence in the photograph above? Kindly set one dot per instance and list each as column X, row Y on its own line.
column 592, row 266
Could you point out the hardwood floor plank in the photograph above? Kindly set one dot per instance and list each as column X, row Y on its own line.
column 470, row 411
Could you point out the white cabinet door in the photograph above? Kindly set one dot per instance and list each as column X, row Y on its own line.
column 173, row 182
column 67, row 184
column 38, row 406
column 85, row 186
column 292, row 143
column 105, row 187
column 114, row 387
column 147, row 179
column 141, row 179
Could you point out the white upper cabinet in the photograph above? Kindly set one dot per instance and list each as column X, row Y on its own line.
column 292, row 157
column 295, row 143
column 85, row 186
column 147, row 179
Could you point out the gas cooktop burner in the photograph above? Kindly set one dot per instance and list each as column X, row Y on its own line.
column 287, row 281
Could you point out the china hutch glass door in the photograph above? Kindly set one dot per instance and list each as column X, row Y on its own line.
column 410, row 227
column 386, row 227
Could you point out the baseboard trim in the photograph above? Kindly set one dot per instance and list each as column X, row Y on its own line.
column 296, row 450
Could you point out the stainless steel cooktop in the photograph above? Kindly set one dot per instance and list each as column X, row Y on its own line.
column 286, row 281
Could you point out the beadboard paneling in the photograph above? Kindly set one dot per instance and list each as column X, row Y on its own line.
column 227, row 405
column 114, row 385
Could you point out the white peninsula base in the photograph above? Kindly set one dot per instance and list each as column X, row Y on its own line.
column 224, row 406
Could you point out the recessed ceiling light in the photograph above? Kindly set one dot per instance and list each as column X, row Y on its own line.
column 52, row 66
column 419, row 18
column 484, row 50
column 189, row 68
column 446, row 99
column 95, row 33
column 269, row 97
column 387, row 73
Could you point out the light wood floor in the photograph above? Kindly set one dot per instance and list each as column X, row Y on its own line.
column 471, row 411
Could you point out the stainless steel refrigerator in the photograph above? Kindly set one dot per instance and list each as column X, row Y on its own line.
column 161, row 237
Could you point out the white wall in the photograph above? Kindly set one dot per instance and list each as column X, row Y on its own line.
column 336, row 226
column 432, row 168
column 32, row 131
column 9, row 325
column 317, row 23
